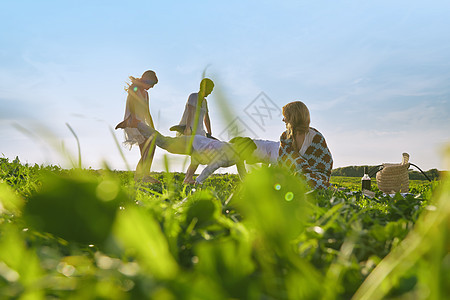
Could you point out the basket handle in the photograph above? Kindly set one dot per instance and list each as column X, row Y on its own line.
column 421, row 171
column 379, row 168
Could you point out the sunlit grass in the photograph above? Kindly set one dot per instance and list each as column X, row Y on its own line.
column 266, row 237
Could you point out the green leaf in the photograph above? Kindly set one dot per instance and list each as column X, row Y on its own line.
column 77, row 208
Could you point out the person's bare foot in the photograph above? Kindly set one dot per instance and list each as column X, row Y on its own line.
column 188, row 181
column 122, row 124
column 149, row 179
column 128, row 122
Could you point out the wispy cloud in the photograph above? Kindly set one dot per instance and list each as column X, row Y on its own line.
column 422, row 116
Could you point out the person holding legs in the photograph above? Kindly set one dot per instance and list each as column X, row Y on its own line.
column 138, row 107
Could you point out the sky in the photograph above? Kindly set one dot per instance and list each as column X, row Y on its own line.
column 374, row 74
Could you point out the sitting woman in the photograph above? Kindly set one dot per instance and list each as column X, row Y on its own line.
column 303, row 149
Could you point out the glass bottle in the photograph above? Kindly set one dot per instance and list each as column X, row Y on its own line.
column 365, row 180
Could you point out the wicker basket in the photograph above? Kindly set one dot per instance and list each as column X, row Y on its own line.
column 393, row 178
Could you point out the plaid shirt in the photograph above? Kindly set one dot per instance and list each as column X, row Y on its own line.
column 314, row 166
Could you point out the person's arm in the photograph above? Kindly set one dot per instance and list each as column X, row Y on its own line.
column 145, row 130
column 207, row 123
column 207, row 171
column 241, row 169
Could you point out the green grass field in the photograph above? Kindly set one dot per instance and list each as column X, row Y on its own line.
column 354, row 183
column 96, row 234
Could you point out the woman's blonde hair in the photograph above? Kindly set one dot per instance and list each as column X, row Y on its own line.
column 296, row 115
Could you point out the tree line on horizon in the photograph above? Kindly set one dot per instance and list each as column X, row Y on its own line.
column 349, row 171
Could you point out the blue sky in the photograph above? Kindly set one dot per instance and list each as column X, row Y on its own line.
column 375, row 75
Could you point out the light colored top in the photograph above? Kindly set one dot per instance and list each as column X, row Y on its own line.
column 192, row 101
column 307, row 142
column 266, row 151
column 215, row 154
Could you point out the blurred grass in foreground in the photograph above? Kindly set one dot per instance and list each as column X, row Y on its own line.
column 87, row 234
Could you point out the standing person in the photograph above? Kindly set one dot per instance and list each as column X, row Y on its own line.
column 303, row 149
column 138, row 106
column 194, row 115
column 196, row 111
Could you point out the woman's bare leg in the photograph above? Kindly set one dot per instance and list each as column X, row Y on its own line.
column 143, row 167
column 189, row 178
column 175, row 145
